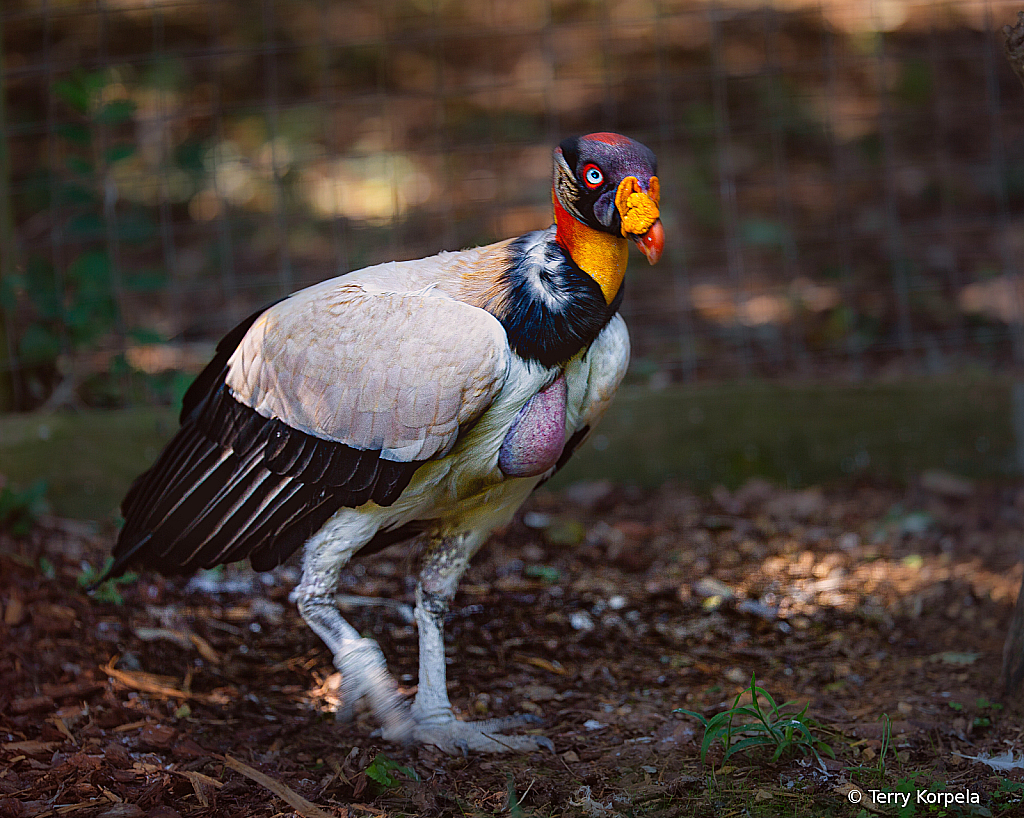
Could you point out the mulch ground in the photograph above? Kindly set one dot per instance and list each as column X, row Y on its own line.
column 603, row 609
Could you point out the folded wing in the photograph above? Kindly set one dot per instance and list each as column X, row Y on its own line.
column 331, row 398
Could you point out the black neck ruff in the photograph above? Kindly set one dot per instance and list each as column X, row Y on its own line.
column 551, row 309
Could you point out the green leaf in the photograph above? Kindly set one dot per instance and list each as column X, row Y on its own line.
column 381, row 768
column 179, row 386
column 38, row 345
column 146, row 281
column 85, row 226
column 41, row 285
column 92, row 267
column 136, row 227
column 515, row 809
column 697, row 716
column 747, row 743
column 190, row 156
column 47, row 568
column 19, row 510
column 145, row 335
column 74, row 92
column 116, row 111
column 763, row 233
column 107, row 592
column 77, row 164
column 75, row 133
column 546, row 573
column 119, row 153
column 9, row 288
column 75, row 194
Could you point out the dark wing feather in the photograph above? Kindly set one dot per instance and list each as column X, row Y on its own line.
column 233, row 484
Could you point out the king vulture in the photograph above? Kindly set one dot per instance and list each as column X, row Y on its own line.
column 411, row 399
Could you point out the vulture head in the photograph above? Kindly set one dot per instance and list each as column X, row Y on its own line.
column 607, row 183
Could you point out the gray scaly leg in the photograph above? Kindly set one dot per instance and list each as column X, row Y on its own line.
column 443, row 566
column 362, row 666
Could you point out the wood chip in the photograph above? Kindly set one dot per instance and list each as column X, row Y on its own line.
column 200, row 777
column 284, row 792
column 182, row 638
column 67, row 809
column 30, row 747
column 62, row 726
column 132, row 725
column 157, row 736
column 27, row 705
column 14, row 612
column 544, row 664
column 153, row 685
column 74, row 690
column 199, row 784
column 205, row 648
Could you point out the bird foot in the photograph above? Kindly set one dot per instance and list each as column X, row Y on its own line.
column 456, row 737
column 364, row 675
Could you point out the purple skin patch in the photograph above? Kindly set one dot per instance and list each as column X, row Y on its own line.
column 535, row 441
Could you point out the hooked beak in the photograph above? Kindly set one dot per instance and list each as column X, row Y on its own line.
column 640, row 216
column 652, row 242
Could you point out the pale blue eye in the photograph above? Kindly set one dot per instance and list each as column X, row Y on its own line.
column 594, row 176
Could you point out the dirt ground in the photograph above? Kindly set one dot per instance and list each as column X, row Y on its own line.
column 602, row 609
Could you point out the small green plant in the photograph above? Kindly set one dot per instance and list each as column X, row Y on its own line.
column 878, row 769
column 1009, row 793
column 47, row 568
column 107, row 590
column 515, row 809
column 883, row 751
column 989, row 710
column 744, row 727
column 20, row 510
column 382, row 769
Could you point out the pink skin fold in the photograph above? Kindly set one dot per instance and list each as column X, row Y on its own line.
column 535, row 441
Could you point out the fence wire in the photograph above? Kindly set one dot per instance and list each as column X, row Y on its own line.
column 843, row 182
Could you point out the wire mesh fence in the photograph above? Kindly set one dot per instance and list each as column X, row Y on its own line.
column 843, row 182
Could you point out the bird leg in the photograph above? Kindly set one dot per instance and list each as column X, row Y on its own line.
column 443, row 566
column 362, row 666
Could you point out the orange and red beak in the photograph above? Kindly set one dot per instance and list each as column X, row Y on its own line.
column 638, row 209
column 652, row 242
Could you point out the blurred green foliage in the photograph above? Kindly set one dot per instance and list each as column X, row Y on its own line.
column 19, row 510
column 75, row 308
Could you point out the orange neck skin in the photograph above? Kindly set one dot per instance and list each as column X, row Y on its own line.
column 600, row 255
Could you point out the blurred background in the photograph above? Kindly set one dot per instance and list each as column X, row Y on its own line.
column 841, row 297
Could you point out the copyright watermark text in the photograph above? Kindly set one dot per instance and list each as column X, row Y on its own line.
column 924, row 797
